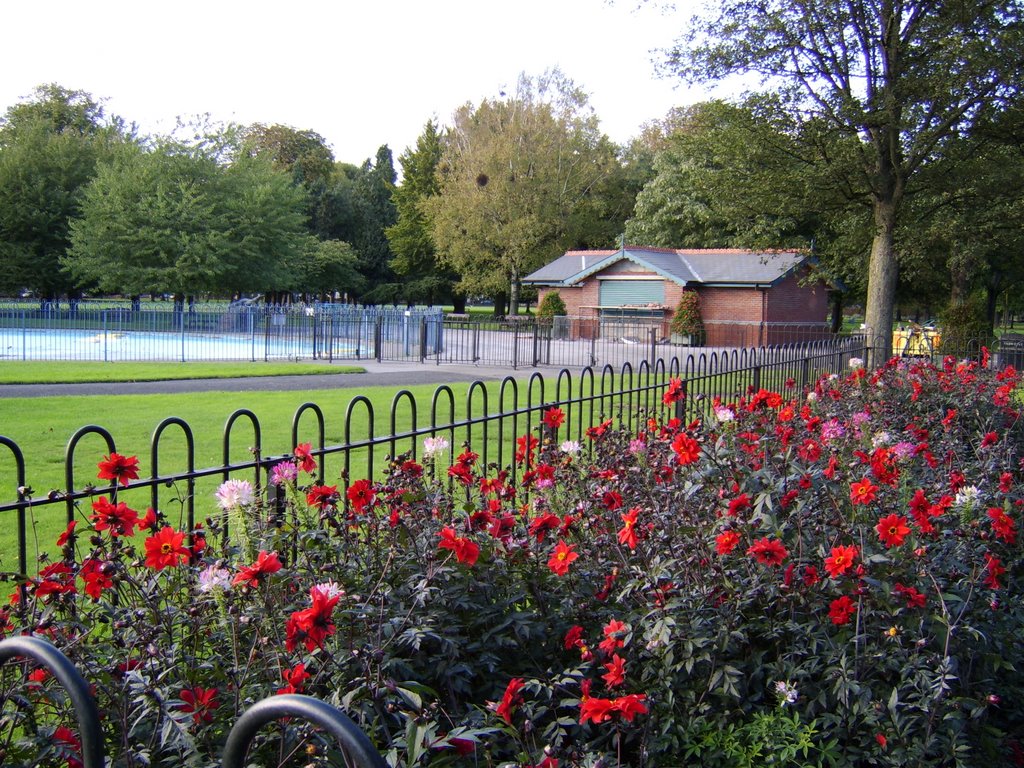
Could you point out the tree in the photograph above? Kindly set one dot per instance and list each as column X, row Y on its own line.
column 174, row 219
column 375, row 213
column 49, row 149
column 900, row 77
column 326, row 267
column 520, row 183
column 729, row 175
column 414, row 258
column 303, row 154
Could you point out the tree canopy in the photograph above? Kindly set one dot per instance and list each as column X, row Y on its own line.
column 173, row 219
column 520, row 182
column 902, row 78
column 50, row 146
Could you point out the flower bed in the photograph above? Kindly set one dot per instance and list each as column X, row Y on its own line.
column 804, row 578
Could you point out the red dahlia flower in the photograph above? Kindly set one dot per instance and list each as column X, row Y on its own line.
column 251, row 575
column 863, row 492
column 892, row 530
column 200, row 702
column 841, row 560
column 768, row 551
column 562, row 558
column 553, row 418
column 165, row 549
column 841, row 609
column 120, row 469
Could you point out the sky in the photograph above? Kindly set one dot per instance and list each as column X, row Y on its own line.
column 361, row 73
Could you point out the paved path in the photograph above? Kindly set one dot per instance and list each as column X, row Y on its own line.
column 377, row 374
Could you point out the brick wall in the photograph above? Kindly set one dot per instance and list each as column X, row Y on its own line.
column 790, row 302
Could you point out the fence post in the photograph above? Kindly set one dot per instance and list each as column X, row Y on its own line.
column 654, row 345
column 423, row 338
column 535, row 352
column 378, row 337
column 515, row 345
column 71, row 679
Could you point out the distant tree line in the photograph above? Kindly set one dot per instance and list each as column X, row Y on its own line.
column 898, row 160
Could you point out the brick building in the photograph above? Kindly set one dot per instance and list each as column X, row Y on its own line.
column 747, row 298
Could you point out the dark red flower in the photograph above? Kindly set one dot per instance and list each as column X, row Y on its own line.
column 841, row 609
column 562, row 557
column 510, row 699
column 841, row 560
column 96, row 579
column 630, row 705
column 614, row 634
column 686, row 449
column 68, row 746
column 466, row 550
column 616, row 672
column 200, row 702
column 314, row 624
column 993, row 570
column 295, row 679
column 117, row 518
column 540, row 525
column 1003, row 526
column 892, row 530
column 68, row 535
column 768, row 551
column 674, row 393
column 120, row 469
column 55, row 579
column 322, row 496
column 361, row 495
column 726, row 542
column 863, row 492
column 251, row 575
column 596, row 710
column 304, row 456
column 627, row 534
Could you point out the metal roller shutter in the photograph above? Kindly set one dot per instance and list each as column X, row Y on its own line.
column 620, row 293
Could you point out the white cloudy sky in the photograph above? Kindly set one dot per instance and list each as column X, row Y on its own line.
column 359, row 72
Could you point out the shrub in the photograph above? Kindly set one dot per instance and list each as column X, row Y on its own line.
column 820, row 577
column 551, row 305
column 686, row 321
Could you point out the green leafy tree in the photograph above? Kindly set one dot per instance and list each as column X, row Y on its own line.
column 49, row 149
column 521, row 181
column 901, row 78
column 414, row 258
column 375, row 212
column 174, row 219
column 326, row 267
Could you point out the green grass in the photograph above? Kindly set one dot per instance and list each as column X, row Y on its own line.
column 55, row 372
column 42, row 428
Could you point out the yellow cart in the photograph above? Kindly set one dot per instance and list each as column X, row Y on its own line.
column 915, row 341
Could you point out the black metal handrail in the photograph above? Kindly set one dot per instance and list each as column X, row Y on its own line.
column 67, row 675
column 357, row 747
column 355, row 744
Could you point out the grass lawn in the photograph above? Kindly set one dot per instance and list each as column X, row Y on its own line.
column 56, row 372
column 42, row 428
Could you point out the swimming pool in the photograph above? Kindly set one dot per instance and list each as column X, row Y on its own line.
column 120, row 346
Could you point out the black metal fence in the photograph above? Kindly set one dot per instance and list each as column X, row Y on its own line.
column 244, row 332
column 356, row 747
column 489, row 421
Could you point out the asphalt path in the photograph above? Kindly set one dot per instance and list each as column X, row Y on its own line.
column 376, row 374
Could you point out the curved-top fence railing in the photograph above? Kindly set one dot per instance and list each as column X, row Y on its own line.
column 489, row 418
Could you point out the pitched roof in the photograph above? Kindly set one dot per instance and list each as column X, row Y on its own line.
column 706, row 266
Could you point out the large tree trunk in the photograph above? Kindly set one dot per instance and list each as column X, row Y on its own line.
column 882, row 273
